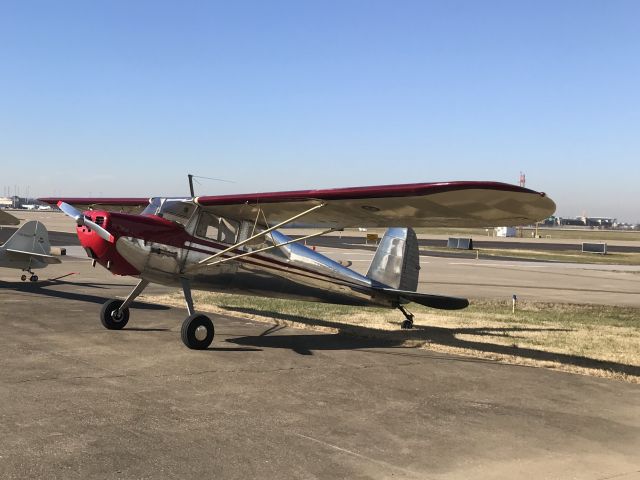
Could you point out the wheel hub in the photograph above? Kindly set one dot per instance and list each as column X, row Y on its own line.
column 115, row 316
column 201, row 333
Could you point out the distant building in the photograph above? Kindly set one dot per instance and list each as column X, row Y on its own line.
column 505, row 231
column 572, row 222
column 602, row 222
column 593, row 222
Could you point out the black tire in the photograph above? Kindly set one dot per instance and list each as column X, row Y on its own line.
column 34, row 278
column 23, row 278
column 191, row 333
column 108, row 318
column 407, row 325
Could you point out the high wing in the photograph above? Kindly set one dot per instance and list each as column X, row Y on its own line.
column 447, row 204
column 450, row 204
column 122, row 205
column 48, row 259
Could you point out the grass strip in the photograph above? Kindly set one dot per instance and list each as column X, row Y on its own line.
column 597, row 340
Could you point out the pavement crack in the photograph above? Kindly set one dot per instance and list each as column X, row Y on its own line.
column 113, row 375
column 619, row 475
column 360, row 456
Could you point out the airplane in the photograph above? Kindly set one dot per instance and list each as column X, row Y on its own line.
column 231, row 243
column 8, row 219
column 26, row 249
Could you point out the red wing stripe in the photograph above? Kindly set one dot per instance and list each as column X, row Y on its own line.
column 381, row 191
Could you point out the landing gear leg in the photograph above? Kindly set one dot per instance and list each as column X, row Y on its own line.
column 408, row 323
column 114, row 314
column 197, row 330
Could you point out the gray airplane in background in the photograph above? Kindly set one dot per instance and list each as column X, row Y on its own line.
column 8, row 219
column 28, row 249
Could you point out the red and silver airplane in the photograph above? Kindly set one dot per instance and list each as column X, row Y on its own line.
column 230, row 243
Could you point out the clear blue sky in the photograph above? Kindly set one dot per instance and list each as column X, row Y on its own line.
column 127, row 97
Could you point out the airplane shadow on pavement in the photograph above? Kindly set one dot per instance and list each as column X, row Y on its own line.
column 355, row 337
column 41, row 289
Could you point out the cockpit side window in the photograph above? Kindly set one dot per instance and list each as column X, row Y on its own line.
column 228, row 231
column 208, row 226
column 217, row 228
column 177, row 211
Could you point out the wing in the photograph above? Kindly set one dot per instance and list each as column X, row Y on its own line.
column 451, row 204
column 123, row 205
column 8, row 219
column 48, row 259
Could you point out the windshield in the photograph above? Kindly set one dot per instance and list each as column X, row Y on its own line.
column 153, row 208
column 175, row 210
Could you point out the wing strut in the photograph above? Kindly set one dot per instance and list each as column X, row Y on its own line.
column 258, row 235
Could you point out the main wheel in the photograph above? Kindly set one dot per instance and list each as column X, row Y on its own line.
column 33, row 278
column 197, row 331
column 109, row 315
column 23, row 278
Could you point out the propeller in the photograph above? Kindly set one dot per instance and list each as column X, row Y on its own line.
column 81, row 220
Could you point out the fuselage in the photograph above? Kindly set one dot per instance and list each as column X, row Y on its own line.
column 162, row 250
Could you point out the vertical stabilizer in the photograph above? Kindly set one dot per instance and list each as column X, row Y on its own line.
column 396, row 263
column 31, row 237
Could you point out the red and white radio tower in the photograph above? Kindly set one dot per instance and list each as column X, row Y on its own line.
column 522, row 179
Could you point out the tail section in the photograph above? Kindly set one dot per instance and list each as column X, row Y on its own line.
column 396, row 263
column 32, row 237
column 7, row 219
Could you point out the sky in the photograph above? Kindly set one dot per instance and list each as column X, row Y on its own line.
column 125, row 98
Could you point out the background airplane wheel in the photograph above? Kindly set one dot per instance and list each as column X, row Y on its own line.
column 108, row 315
column 34, row 278
column 23, row 278
column 197, row 331
column 406, row 325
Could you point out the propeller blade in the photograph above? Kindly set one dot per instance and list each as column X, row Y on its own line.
column 81, row 220
column 71, row 212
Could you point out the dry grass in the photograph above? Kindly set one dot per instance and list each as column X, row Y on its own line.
column 589, row 339
column 568, row 256
column 578, row 234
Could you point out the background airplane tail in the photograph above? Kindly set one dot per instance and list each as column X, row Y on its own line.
column 396, row 263
column 8, row 219
column 32, row 237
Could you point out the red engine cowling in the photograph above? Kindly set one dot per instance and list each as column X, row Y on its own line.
column 102, row 251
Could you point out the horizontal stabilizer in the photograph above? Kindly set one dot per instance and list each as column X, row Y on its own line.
column 433, row 301
column 49, row 259
column 8, row 219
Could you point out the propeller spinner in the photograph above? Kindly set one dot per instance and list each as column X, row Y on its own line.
column 81, row 220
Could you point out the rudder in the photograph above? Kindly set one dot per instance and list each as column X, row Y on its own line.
column 396, row 263
column 30, row 237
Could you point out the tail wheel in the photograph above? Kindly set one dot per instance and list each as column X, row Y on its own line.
column 197, row 331
column 110, row 317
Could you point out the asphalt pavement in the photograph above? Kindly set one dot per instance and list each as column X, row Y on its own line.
column 81, row 402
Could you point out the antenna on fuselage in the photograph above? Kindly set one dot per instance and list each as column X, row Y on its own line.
column 190, row 176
